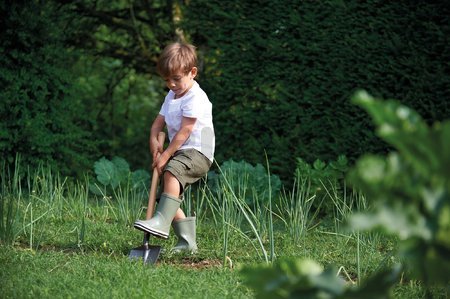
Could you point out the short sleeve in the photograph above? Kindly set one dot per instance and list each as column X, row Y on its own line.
column 163, row 110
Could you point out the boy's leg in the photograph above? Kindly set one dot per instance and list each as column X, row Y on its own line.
column 159, row 224
column 185, row 231
column 172, row 187
column 171, row 184
column 167, row 208
column 188, row 166
column 179, row 215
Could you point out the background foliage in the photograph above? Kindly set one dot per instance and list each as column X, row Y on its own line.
column 41, row 115
column 77, row 80
column 121, row 41
column 280, row 73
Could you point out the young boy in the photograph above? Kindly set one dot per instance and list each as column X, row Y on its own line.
column 187, row 113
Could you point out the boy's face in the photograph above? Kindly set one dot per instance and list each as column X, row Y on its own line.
column 180, row 82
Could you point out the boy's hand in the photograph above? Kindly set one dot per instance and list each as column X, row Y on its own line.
column 160, row 162
column 156, row 148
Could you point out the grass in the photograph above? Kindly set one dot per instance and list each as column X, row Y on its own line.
column 55, row 274
column 59, row 241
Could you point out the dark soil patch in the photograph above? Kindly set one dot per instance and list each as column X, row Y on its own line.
column 190, row 263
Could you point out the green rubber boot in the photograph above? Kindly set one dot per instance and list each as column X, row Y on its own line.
column 159, row 225
column 185, row 231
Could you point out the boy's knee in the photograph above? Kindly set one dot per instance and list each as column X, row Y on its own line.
column 169, row 178
column 171, row 184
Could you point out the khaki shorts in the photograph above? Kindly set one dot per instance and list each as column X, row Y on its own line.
column 188, row 166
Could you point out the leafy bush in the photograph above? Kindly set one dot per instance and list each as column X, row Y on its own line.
column 302, row 278
column 326, row 179
column 320, row 171
column 41, row 118
column 280, row 73
column 410, row 186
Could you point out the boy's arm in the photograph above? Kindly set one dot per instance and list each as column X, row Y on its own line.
column 187, row 125
column 157, row 126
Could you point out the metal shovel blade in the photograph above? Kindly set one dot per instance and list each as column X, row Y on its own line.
column 148, row 253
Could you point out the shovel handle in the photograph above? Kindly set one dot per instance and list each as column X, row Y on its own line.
column 154, row 185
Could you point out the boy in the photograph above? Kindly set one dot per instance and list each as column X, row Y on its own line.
column 187, row 113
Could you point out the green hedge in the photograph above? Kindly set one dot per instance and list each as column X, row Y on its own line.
column 280, row 73
column 41, row 118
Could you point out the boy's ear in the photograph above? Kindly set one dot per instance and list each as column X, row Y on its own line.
column 194, row 71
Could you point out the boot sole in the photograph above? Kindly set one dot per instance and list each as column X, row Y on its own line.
column 184, row 250
column 151, row 231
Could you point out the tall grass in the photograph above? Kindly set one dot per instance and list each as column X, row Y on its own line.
column 21, row 211
column 253, row 223
column 344, row 205
column 31, row 200
column 77, row 199
column 10, row 198
column 196, row 201
column 295, row 209
column 271, row 235
column 47, row 187
column 51, row 197
column 129, row 202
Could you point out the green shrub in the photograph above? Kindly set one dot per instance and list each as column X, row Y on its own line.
column 41, row 118
column 280, row 73
column 410, row 186
column 326, row 179
column 302, row 278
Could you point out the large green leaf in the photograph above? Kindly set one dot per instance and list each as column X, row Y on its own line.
column 255, row 178
column 122, row 168
column 402, row 221
column 106, row 172
column 140, row 179
column 112, row 173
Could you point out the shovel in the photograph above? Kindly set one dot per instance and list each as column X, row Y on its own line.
column 149, row 253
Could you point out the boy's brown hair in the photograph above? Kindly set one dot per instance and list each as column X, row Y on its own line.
column 177, row 57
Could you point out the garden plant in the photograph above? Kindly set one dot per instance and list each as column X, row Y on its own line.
column 57, row 232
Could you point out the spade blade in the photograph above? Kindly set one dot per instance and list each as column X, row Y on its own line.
column 148, row 253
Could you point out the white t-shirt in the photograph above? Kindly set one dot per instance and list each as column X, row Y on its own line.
column 195, row 104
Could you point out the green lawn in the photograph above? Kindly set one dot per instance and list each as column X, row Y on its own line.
column 67, row 243
column 53, row 274
column 100, row 268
